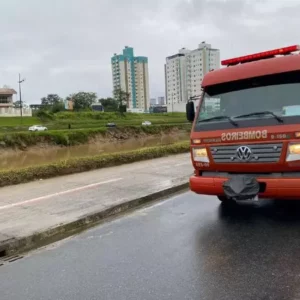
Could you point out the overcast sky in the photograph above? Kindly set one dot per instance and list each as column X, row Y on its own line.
column 65, row 46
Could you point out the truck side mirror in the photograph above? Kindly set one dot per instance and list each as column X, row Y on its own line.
column 190, row 111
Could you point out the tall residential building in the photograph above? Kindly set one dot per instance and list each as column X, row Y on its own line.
column 161, row 100
column 152, row 101
column 184, row 72
column 130, row 73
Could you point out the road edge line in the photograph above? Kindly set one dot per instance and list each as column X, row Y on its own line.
column 37, row 240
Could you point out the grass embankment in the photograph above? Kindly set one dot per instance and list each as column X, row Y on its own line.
column 17, row 124
column 81, row 136
column 89, row 163
column 79, row 120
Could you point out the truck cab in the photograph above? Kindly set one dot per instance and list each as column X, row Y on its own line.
column 245, row 137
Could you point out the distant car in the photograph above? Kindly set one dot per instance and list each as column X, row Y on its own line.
column 146, row 123
column 111, row 125
column 37, row 128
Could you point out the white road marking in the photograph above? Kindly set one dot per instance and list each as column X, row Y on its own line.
column 182, row 164
column 81, row 188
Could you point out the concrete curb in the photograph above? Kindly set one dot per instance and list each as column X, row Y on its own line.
column 51, row 235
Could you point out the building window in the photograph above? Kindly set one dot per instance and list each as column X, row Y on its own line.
column 4, row 100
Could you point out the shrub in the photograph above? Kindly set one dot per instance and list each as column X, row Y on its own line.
column 44, row 115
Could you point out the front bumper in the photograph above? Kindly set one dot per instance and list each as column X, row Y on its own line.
column 283, row 188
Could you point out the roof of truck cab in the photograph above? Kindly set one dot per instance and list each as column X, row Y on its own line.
column 253, row 69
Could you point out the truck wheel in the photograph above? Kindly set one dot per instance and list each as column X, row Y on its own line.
column 223, row 198
column 226, row 200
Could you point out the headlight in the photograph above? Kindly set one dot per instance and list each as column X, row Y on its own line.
column 200, row 154
column 293, row 152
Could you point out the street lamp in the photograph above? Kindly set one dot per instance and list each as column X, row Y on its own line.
column 20, row 93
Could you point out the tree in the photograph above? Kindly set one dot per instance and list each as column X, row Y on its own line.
column 83, row 100
column 51, row 100
column 57, row 107
column 52, row 103
column 16, row 104
column 122, row 99
column 109, row 104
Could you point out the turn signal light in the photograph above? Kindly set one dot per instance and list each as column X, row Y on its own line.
column 196, row 141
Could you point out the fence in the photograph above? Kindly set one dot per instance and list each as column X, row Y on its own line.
column 15, row 112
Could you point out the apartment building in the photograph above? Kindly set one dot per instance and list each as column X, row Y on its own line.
column 152, row 101
column 161, row 100
column 184, row 72
column 130, row 73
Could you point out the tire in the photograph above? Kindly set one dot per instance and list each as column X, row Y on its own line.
column 226, row 201
column 223, row 198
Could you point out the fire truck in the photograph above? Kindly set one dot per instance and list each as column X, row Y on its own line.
column 245, row 137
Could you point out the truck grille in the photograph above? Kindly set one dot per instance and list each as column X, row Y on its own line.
column 253, row 153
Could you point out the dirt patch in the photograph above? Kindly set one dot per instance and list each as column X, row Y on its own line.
column 116, row 135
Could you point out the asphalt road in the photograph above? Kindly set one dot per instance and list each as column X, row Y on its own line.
column 187, row 247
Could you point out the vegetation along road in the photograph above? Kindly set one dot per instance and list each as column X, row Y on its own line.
column 24, row 148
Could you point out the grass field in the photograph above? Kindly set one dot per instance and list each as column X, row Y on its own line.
column 17, row 121
column 73, row 137
column 83, row 120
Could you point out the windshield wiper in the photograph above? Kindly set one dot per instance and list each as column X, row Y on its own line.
column 220, row 118
column 261, row 113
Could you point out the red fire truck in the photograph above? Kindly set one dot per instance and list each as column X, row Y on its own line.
column 245, row 138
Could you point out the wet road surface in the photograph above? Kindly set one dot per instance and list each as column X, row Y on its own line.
column 188, row 247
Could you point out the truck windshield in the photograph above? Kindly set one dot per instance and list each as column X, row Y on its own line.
column 251, row 103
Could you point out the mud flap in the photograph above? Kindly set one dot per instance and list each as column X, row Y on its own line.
column 241, row 187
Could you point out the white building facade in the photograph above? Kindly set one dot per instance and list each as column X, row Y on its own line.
column 161, row 100
column 130, row 73
column 153, row 101
column 184, row 73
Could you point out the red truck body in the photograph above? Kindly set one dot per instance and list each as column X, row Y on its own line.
column 245, row 138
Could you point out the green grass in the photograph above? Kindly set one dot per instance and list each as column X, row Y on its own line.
column 80, row 136
column 109, row 116
column 17, row 121
column 89, row 163
column 60, row 121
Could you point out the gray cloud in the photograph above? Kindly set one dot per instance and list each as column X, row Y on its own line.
column 63, row 46
column 243, row 24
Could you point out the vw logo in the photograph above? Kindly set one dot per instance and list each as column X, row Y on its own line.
column 243, row 153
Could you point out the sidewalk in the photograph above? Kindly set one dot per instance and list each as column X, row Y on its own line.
column 27, row 210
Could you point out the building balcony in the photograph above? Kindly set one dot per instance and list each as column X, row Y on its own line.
column 6, row 104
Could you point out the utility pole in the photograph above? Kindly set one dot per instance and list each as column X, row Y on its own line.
column 20, row 93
